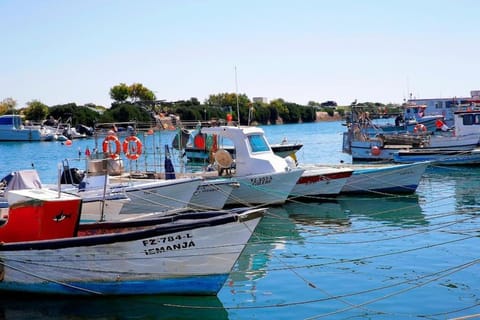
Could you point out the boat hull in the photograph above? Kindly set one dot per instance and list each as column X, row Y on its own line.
column 212, row 194
column 386, row 179
column 137, row 198
column 264, row 189
column 191, row 254
column 439, row 157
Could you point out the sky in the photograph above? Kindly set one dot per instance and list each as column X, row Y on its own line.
column 63, row 51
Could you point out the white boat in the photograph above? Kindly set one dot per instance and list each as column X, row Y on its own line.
column 116, row 201
column 439, row 157
column 465, row 135
column 263, row 177
column 199, row 146
column 12, row 128
column 45, row 250
column 145, row 196
column 382, row 178
column 209, row 195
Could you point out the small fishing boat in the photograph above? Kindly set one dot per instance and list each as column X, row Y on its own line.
column 263, row 177
column 198, row 146
column 369, row 178
column 438, row 156
column 45, row 250
column 208, row 194
column 12, row 128
column 363, row 146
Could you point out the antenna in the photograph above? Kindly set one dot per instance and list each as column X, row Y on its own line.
column 236, row 94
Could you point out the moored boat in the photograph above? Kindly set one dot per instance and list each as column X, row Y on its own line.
column 263, row 177
column 386, row 178
column 199, row 144
column 438, row 156
column 12, row 128
column 381, row 178
column 190, row 253
column 465, row 135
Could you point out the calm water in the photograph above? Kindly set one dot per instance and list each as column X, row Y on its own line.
column 395, row 257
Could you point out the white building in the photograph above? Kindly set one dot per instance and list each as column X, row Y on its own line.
column 260, row 99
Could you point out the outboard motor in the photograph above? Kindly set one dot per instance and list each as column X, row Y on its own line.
column 71, row 176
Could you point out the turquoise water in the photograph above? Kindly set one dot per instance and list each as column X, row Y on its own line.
column 392, row 257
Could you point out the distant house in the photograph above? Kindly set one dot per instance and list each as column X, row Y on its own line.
column 260, row 99
column 446, row 106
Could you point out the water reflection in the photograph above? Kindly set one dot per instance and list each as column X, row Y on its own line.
column 328, row 214
column 146, row 307
column 403, row 211
column 273, row 233
column 455, row 187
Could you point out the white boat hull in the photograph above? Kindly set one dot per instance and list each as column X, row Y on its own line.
column 193, row 260
column 264, row 189
column 137, row 198
column 212, row 194
column 439, row 157
column 159, row 195
column 385, row 178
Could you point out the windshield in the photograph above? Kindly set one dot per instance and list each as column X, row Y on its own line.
column 258, row 143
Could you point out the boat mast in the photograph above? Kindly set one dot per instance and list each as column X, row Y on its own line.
column 236, row 94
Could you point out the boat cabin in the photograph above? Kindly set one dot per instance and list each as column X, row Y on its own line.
column 253, row 154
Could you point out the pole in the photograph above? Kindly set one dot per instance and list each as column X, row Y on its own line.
column 236, row 94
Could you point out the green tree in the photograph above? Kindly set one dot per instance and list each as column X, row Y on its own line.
column 138, row 92
column 120, row 92
column 125, row 112
column 7, row 105
column 282, row 110
column 85, row 115
column 36, row 110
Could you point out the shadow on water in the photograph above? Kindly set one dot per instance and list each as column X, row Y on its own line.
column 144, row 307
column 327, row 213
column 403, row 211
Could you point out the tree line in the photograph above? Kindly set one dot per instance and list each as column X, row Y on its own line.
column 138, row 103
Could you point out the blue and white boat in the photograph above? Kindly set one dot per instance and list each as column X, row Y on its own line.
column 463, row 136
column 381, row 179
column 439, row 157
column 182, row 254
column 12, row 128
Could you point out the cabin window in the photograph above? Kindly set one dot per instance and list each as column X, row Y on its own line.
column 6, row 121
column 258, row 143
column 471, row 119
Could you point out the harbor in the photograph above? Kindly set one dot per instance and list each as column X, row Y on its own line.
column 351, row 256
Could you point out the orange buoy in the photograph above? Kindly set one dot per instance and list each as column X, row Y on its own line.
column 419, row 128
column 106, row 146
column 375, row 150
column 199, row 141
column 68, row 142
column 132, row 152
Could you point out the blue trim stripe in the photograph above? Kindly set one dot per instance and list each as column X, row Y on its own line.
column 198, row 285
